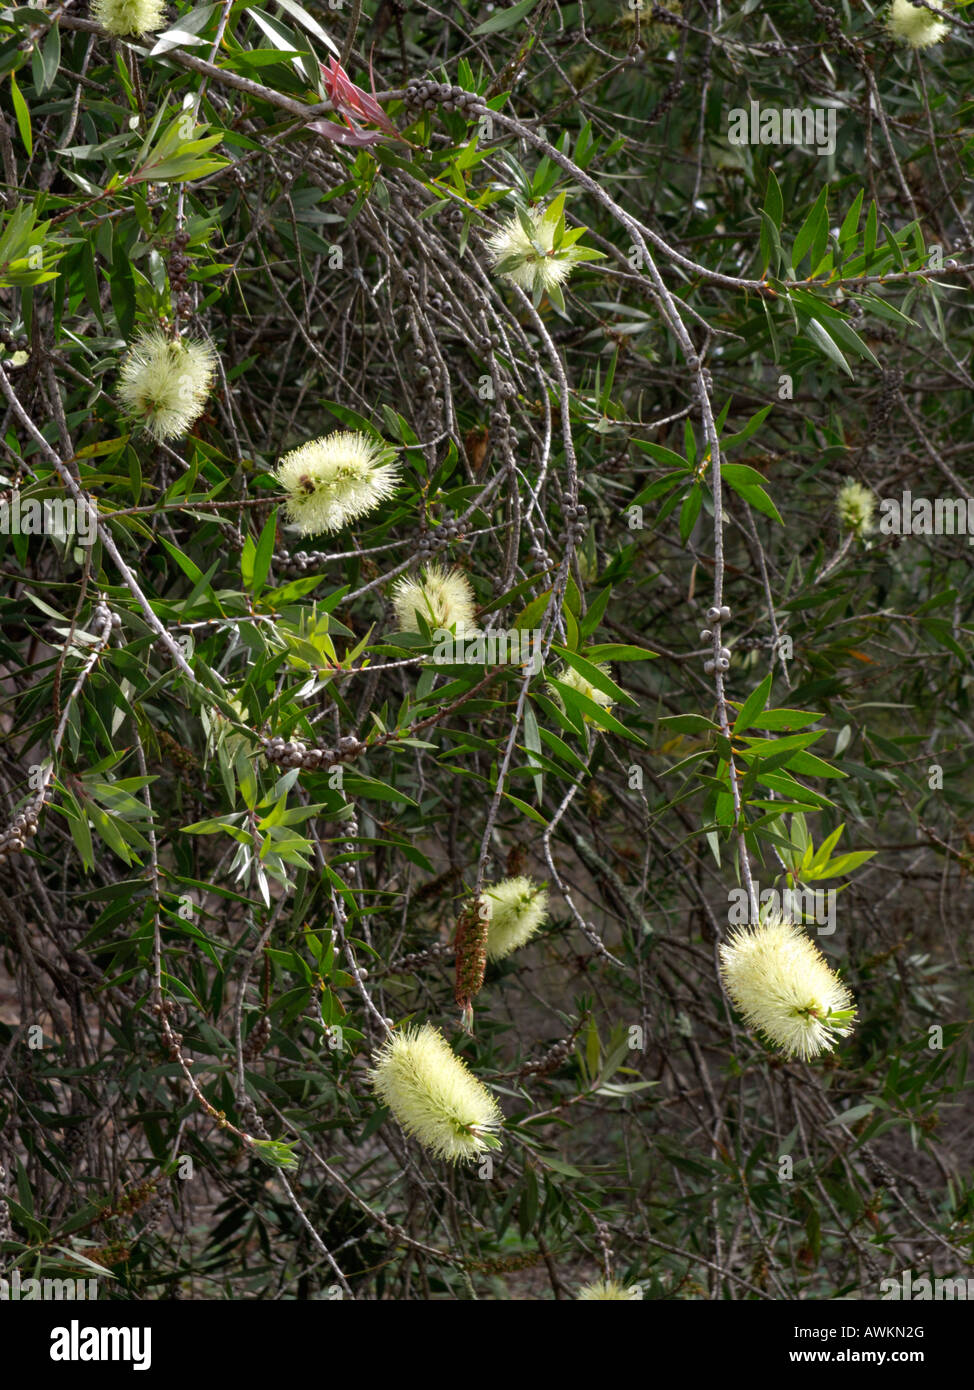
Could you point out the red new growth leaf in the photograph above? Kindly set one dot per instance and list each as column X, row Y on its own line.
column 346, row 134
column 350, row 101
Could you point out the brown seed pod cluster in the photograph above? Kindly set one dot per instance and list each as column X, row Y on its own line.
column 176, row 754
column 19, row 831
column 178, row 265
column 257, row 1039
column 133, row 1199
column 555, row 1056
column 289, row 753
column 116, row 1252
column 471, row 948
column 424, row 95
column 441, row 950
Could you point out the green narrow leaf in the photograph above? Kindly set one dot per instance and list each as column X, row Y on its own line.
column 505, row 19
column 872, row 228
column 849, row 230
column 532, row 739
column 690, row 511
column 22, row 114
column 810, row 232
column 753, row 705
column 265, row 552
column 820, row 337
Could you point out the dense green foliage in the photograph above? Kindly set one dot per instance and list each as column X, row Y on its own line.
column 204, row 936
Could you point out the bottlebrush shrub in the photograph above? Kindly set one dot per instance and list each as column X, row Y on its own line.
column 781, row 983
column 242, row 809
column 434, row 1096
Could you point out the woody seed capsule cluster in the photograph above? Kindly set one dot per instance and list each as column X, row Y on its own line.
column 289, row 753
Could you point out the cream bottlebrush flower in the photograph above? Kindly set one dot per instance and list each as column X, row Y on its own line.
column 855, row 505
column 333, row 481
column 781, row 983
column 128, row 18
column 608, row 1288
column 535, row 251
column 434, row 1095
column 516, row 909
column 576, row 681
column 444, row 597
column 914, row 25
column 164, row 382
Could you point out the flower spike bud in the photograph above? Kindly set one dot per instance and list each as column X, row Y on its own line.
column 470, row 942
